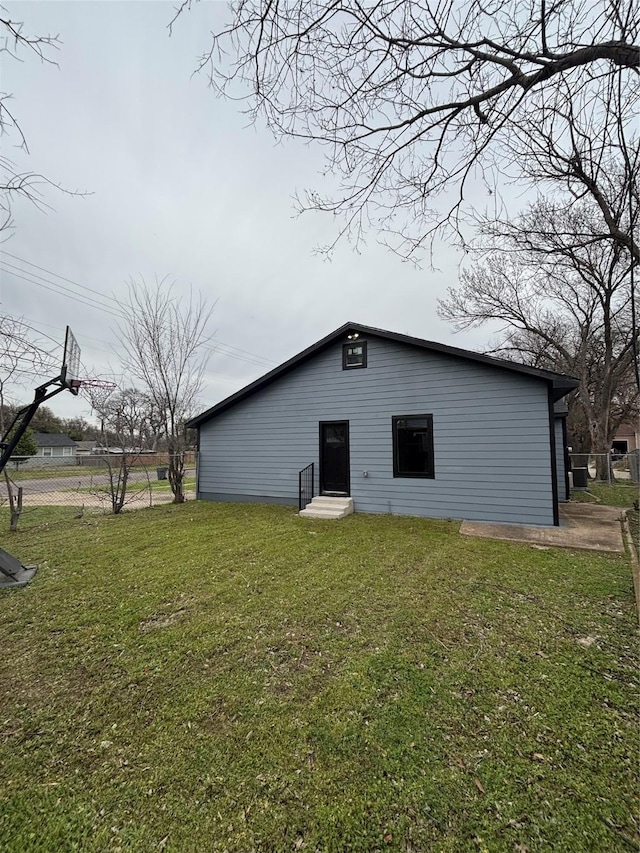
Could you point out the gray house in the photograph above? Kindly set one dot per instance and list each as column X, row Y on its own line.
column 54, row 449
column 398, row 424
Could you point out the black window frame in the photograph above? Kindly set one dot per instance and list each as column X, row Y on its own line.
column 346, row 366
column 431, row 466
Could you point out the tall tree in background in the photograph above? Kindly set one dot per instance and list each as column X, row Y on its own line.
column 75, row 428
column 417, row 104
column 564, row 298
column 166, row 348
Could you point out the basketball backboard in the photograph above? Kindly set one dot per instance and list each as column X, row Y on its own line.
column 70, row 373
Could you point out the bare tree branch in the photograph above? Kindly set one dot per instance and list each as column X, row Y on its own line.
column 420, row 104
column 16, row 184
column 24, row 357
column 166, row 347
column 566, row 303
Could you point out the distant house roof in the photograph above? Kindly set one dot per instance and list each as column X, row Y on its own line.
column 53, row 439
column 560, row 384
column 87, row 444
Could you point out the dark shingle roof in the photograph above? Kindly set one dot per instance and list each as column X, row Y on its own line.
column 560, row 384
column 53, row 439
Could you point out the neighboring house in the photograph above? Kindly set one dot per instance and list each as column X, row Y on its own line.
column 402, row 425
column 54, row 449
column 87, row 447
column 627, row 438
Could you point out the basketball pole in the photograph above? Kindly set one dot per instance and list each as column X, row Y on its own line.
column 25, row 416
column 12, row 572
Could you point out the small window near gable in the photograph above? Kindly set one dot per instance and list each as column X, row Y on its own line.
column 354, row 355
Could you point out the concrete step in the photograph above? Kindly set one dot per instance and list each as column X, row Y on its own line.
column 334, row 503
column 324, row 506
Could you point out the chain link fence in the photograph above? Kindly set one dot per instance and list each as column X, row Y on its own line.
column 92, row 485
column 616, row 467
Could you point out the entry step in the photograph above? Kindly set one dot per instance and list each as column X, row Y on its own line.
column 324, row 506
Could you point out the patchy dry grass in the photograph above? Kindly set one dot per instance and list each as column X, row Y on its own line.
column 234, row 678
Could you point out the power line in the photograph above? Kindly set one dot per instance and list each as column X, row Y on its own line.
column 14, row 270
column 256, row 361
column 225, row 349
column 243, row 351
column 55, row 290
column 56, row 275
column 112, row 307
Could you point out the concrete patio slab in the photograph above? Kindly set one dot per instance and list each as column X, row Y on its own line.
column 593, row 528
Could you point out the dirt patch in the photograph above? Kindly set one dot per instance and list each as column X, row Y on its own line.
column 162, row 620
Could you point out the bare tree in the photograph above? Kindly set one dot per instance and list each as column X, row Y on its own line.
column 415, row 102
column 123, row 417
column 128, row 411
column 564, row 303
column 166, row 348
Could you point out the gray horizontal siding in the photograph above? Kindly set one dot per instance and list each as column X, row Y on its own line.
column 562, row 485
column 491, row 436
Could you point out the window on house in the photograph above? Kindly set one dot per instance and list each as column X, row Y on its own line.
column 47, row 451
column 354, row 355
column 413, row 446
column 67, row 451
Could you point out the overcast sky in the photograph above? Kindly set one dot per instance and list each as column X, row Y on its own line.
column 180, row 186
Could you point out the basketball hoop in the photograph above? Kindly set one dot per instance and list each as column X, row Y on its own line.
column 93, row 383
column 70, row 362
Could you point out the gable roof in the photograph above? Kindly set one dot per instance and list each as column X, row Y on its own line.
column 53, row 439
column 560, row 384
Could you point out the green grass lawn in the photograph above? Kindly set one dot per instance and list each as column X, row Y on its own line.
column 234, row 678
column 623, row 493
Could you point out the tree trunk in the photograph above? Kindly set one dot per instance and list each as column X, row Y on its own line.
column 601, row 447
column 15, row 502
column 118, row 481
column 120, row 494
column 16, row 511
column 176, row 471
